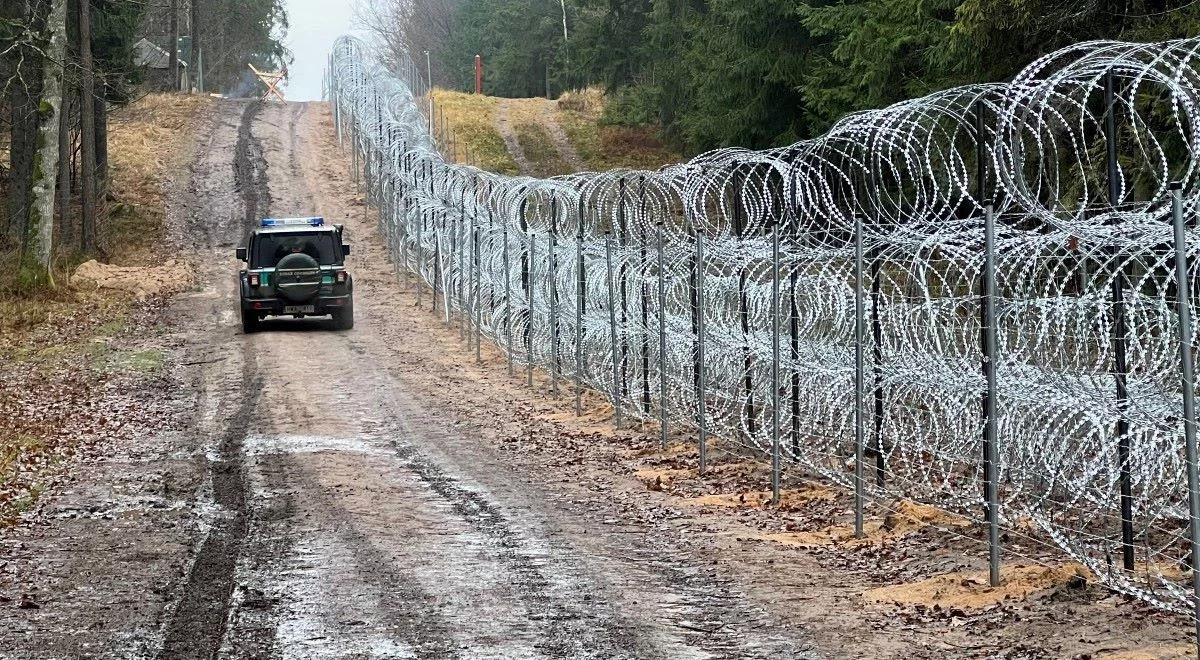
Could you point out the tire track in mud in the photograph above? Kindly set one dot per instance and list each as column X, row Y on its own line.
column 579, row 629
column 403, row 602
column 197, row 626
column 250, row 169
column 567, row 630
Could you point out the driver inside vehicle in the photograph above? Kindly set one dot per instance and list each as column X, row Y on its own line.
column 297, row 246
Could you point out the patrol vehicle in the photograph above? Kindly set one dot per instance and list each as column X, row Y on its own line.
column 295, row 267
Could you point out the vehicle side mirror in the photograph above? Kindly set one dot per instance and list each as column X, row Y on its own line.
column 345, row 250
column 241, row 254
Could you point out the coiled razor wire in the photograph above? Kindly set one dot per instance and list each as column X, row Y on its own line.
column 564, row 273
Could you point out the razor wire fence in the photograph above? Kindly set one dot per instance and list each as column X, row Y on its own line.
column 970, row 300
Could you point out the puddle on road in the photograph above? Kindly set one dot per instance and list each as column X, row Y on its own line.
column 312, row 444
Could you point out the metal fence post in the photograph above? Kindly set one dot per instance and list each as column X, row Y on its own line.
column 447, row 282
column 662, row 342
column 775, row 448
column 1183, row 292
column 437, row 262
column 744, row 314
column 794, row 331
column 1120, row 367
column 463, row 259
column 354, row 153
column 451, row 275
column 507, row 298
column 643, row 297
column 623, row 273
column 553, row 280
column 612, row 328
column 580, row 288
column 476, row 267
column 877, row 367
column 859, row 339
column 529, row 289
column 420, row 255
column 701, row 408
column 990, row 360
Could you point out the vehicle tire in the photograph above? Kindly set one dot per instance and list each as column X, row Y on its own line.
column 249, row 322
column 343, row 319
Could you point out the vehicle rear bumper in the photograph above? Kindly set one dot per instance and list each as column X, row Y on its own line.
column 275, row 307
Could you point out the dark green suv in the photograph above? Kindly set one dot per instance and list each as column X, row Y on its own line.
column 296, row 267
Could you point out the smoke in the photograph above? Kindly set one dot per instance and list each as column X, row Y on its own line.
column 247, row 86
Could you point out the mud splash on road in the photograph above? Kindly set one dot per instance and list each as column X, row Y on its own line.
column 197, row 627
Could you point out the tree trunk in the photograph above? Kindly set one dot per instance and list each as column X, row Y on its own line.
column 24, row 91
column 100, row 124
column 66, row 228
column 40, row 234
column 197, row 62
column 87, row 131
column 173, row 47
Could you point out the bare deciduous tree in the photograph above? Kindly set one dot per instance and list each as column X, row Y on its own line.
column 409, row 26
column 40, row 232
column 87, row 130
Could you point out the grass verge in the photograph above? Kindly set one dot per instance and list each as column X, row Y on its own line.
column 58, row 346
column 605, row 147
column 473, row 120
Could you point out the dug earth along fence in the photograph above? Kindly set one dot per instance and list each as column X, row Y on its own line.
column 971, row 300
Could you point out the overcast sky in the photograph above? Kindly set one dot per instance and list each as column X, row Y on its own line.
column 315, row 25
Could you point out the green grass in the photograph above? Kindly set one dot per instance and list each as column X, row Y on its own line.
column 539, row 150
column 473, row 120
column 106, row 360
column 610, row 147
column 15, row 450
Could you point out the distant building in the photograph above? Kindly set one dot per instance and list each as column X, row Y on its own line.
column 156, row 61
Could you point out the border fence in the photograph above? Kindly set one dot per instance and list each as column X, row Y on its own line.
column 977, row 300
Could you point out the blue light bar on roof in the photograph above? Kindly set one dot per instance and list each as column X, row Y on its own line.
column 293, row 222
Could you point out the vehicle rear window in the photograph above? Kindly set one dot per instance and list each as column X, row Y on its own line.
column 270, row 248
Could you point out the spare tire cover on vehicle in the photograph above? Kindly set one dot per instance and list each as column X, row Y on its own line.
column 298, row 277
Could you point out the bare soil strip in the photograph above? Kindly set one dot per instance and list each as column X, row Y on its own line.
column 508, row 133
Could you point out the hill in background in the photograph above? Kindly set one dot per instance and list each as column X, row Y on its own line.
column 542, row 137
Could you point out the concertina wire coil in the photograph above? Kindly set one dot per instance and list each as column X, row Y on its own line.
column 519, row 254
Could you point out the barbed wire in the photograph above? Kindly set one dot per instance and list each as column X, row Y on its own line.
column 662, row 288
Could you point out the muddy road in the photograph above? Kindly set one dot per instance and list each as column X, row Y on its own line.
column 322, row 494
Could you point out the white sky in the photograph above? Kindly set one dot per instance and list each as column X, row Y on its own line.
column 315, row 25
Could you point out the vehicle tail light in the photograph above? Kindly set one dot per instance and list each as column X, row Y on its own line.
column 341, row 277
column 254, row 279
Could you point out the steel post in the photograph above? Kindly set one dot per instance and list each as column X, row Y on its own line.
column 508, row 305
column 662, row 342
column 776, row 450
column 990, row 361
column 701, row 394
column 1119, row 339
column 1183, row 288
column 859, row 413
column 420, row 254
column 612, row 328
column 529, row 289
column 552, row 277
column 476, row 267
column 580, row 289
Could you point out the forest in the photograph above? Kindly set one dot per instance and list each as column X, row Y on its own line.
column 64, row 66
column 753, row 73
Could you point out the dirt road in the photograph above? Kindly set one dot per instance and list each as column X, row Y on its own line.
column 321, row 493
